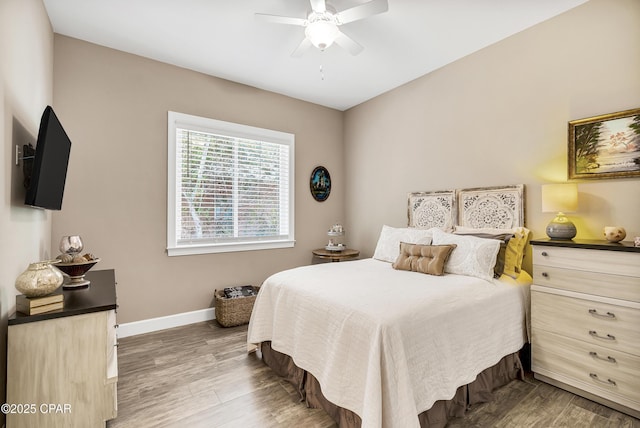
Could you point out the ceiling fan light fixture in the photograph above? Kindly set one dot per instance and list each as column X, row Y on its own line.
column 322, row 33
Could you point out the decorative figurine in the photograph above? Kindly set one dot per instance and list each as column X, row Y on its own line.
column 614, row 233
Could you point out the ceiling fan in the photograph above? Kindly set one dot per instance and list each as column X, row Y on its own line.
column 321, row 25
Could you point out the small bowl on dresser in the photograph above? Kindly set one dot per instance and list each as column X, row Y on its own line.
column 76, row 273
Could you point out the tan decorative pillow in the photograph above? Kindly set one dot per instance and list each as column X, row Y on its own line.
column 429, row 259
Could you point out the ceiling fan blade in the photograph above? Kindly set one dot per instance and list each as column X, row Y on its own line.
column 355, row 13
column 302, row 48
column 348, row 43
column 318, row 6
column 277, row 19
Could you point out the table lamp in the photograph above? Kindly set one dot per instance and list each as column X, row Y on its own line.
column 560, row 198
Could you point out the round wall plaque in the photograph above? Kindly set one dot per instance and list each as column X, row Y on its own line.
column 320, row 184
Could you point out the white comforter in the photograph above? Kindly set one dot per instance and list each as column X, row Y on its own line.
column 387, row 344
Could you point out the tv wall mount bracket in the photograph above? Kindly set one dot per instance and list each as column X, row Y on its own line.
column 28, row 154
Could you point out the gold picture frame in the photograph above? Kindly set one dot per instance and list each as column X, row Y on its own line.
column 606, row 146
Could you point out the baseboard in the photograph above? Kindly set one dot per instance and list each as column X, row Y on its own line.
column 162, row 323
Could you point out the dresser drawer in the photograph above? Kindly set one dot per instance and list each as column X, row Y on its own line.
column 600, row 284
column 610, row 374
column 609, row 262
column 605, row 324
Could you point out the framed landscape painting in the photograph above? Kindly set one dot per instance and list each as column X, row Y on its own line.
column 606, row 146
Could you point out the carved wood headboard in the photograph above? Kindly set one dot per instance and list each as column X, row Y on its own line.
column 492, row 207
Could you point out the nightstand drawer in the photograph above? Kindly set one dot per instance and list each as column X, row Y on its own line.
column 612, row 326
column 596, row 369
column 599, row 284
column 612, row 262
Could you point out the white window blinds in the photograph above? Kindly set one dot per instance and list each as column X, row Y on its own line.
column 233, row 187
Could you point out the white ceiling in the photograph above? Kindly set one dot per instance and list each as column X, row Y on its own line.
column 223, row 38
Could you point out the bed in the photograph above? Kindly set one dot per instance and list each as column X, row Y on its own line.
column 412, row 336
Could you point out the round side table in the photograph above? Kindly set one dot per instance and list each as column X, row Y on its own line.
column 336, row 256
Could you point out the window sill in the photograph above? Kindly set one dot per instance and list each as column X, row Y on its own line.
column 188, row 250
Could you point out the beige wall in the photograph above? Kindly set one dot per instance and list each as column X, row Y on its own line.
column 26, row 79
column 498, row 117
column 114, row 108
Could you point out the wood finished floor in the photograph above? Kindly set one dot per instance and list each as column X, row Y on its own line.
column 201, row 376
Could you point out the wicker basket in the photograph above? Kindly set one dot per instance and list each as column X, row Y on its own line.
column 233, row 312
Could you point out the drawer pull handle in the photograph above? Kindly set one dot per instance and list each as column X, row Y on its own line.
column 607, row 337
column 609, row 359
column 595, row 313
column 545, row 274
column 609, row 381
column 544, row 253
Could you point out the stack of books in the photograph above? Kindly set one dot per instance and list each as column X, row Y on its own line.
column 39, row 305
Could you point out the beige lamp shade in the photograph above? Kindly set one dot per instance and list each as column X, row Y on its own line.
column 559, row 197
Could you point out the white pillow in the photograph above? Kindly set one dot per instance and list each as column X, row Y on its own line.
column 472, row 256
column 388, row 247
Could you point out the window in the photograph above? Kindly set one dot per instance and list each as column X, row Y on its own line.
column 230, row 187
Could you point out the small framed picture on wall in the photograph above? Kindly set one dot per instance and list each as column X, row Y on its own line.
column 320, row 184
column 606, row 146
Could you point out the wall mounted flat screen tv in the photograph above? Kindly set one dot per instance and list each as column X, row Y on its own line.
column 46, row 181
